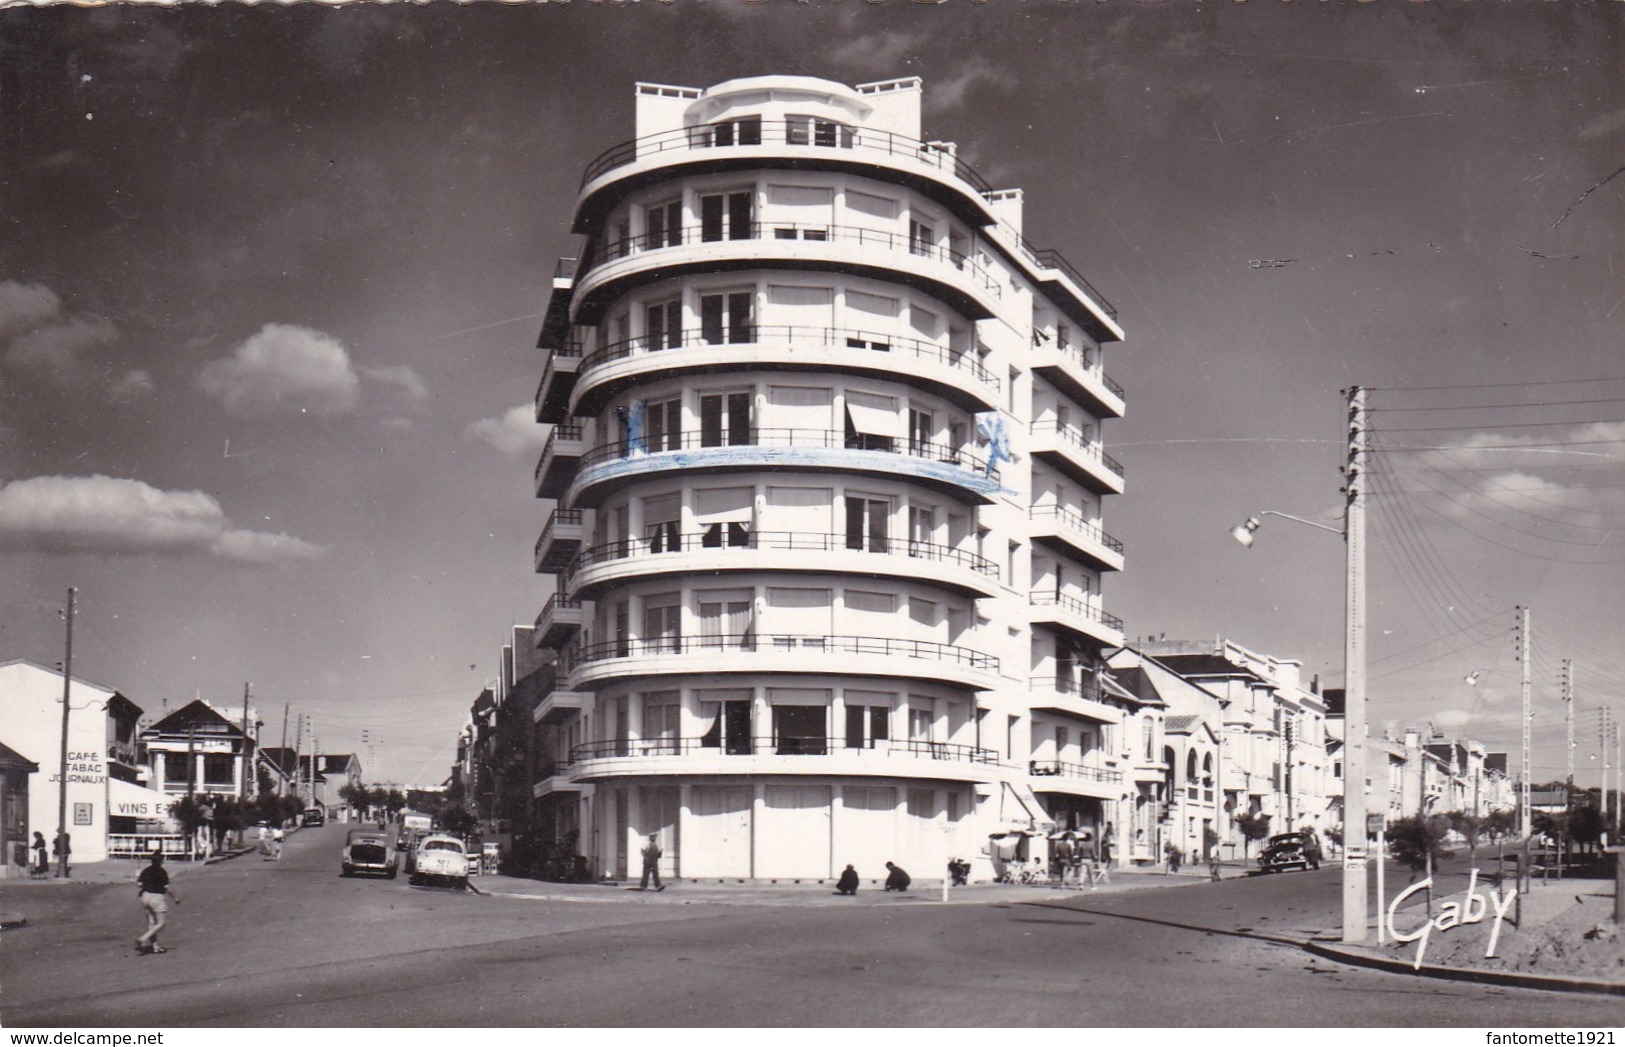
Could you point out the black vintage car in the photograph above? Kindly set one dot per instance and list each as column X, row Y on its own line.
column 1285, row 851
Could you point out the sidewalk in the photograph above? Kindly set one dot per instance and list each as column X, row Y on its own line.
column 786, row 892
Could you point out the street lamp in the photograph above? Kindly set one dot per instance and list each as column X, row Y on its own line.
column 1356, row 915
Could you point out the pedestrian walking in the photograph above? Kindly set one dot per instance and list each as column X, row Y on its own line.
column 651, row 863
column 848, row 883
column 155, row 899
column 62, row 851
column 1108, row 844
column 1311, row 847
column 1173, row 854
column 276, row 844
column 1087, row 859
column 40, row 867
column 896, row 878
column 264, row 841
column 1063, row 851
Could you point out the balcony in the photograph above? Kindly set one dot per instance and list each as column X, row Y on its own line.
column 929, row 168
column 1074, row 454
column 736, row 548
column 785, row 755
column 1057, row 525
column 553, row 778
column 953, row 373
column 559, row 706
column 943, row 272
column 941, row 467
column 558, row 381
column 878, row 656
column 561, row 458
column 1077, row 771
column 560, row 541
column 559, row 621
column 1065, row 695
column 1061, row 610
column 1076, row 371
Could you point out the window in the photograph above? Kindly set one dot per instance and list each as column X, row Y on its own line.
column 921, row 237
column 922, row 429
column 1010, row 563
column 725, row 419
column 663, row 324
column 923, row 612
column 725, row 319
column 663, row 425
column 743, row 130
column 866, row 523
column 723, row 515
column 662, row 623
column 1063, row 738
column 662, row 524
column 726, row 216
column 798, row 730
column 919, row 724
column 811, row 130
column 869, row 204
column 868, row 718
column 922, row 528
column 620, row 243
column 799, row 212
column 662, row 722
column 872, row 423
column 623, row 634
column 725, row 618
column 665, row 224
column 726, row 715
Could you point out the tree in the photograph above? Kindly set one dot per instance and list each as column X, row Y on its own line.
column 1586, row 825
column 354, row 795
column 1499, row 825
column 1469, row 825
column 458, row 820
column 1418, row 841
column 1254, row 825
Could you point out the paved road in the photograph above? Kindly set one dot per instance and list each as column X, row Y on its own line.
column 260, row 944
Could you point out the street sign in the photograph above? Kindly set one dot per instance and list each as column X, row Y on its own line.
column 1373, row 824
column 1354, row 861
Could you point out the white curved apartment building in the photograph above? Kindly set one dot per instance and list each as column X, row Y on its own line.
column 807, row 613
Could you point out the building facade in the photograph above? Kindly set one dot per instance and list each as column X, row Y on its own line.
column 826, row 450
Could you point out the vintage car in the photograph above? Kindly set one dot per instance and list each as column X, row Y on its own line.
column 368, row 851
column 1284, row 851
column 439, row 860
column 314, row 816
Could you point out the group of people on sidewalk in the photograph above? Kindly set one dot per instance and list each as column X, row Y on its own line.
column 61, row 849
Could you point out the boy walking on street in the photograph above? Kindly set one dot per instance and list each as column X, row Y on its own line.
column 155, row 899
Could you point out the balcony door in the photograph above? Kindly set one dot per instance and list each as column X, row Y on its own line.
column 725, row 319
column 726, row 216
column 726, row 716
column 725, row 618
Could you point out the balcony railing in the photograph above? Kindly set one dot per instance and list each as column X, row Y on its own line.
column 554, row 604
column 797, row 335
column 562, row 431
column 773, row 134
column 1056, row 260
column 768, row 642
column 1084, row 357
column 1048, row 598
column 557, row 517
column 1075, row 521
column 1088, row 688
column 1078, row 439
column 782, row 745
column 806, row 438
column 885, row 239
column 783, row 541
column 1057, row 768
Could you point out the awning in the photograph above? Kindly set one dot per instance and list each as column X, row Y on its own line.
column 128, row 800
column 874, row 415
column 1026, row 802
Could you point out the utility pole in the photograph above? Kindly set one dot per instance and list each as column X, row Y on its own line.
column 1602, row 747
column 1528, row 715
column 298, row 745
column 1355, row 910
column 191, row 759
column 248, row 766
column 62, row 768
column 282, row 754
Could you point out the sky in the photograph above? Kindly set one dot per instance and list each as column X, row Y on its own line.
column 270, row 285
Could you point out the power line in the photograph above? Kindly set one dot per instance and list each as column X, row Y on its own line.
column 1496, row 385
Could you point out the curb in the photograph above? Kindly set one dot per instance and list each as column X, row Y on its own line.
column 1467, row 974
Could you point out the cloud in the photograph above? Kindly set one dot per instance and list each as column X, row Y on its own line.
column 57, row 349
column 1507, row 473
column 110, row 516
column 135, row 385
column 402, row 379
column 24, row 307
column 514, row 433
column 283, row 369
column 951, row 91
column 1452, row 718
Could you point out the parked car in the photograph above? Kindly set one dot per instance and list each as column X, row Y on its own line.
column 369, row 851
column 314, row 816
column 1284, row 851
column 440, row 860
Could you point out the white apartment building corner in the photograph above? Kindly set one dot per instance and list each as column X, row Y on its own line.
column 828, row 471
